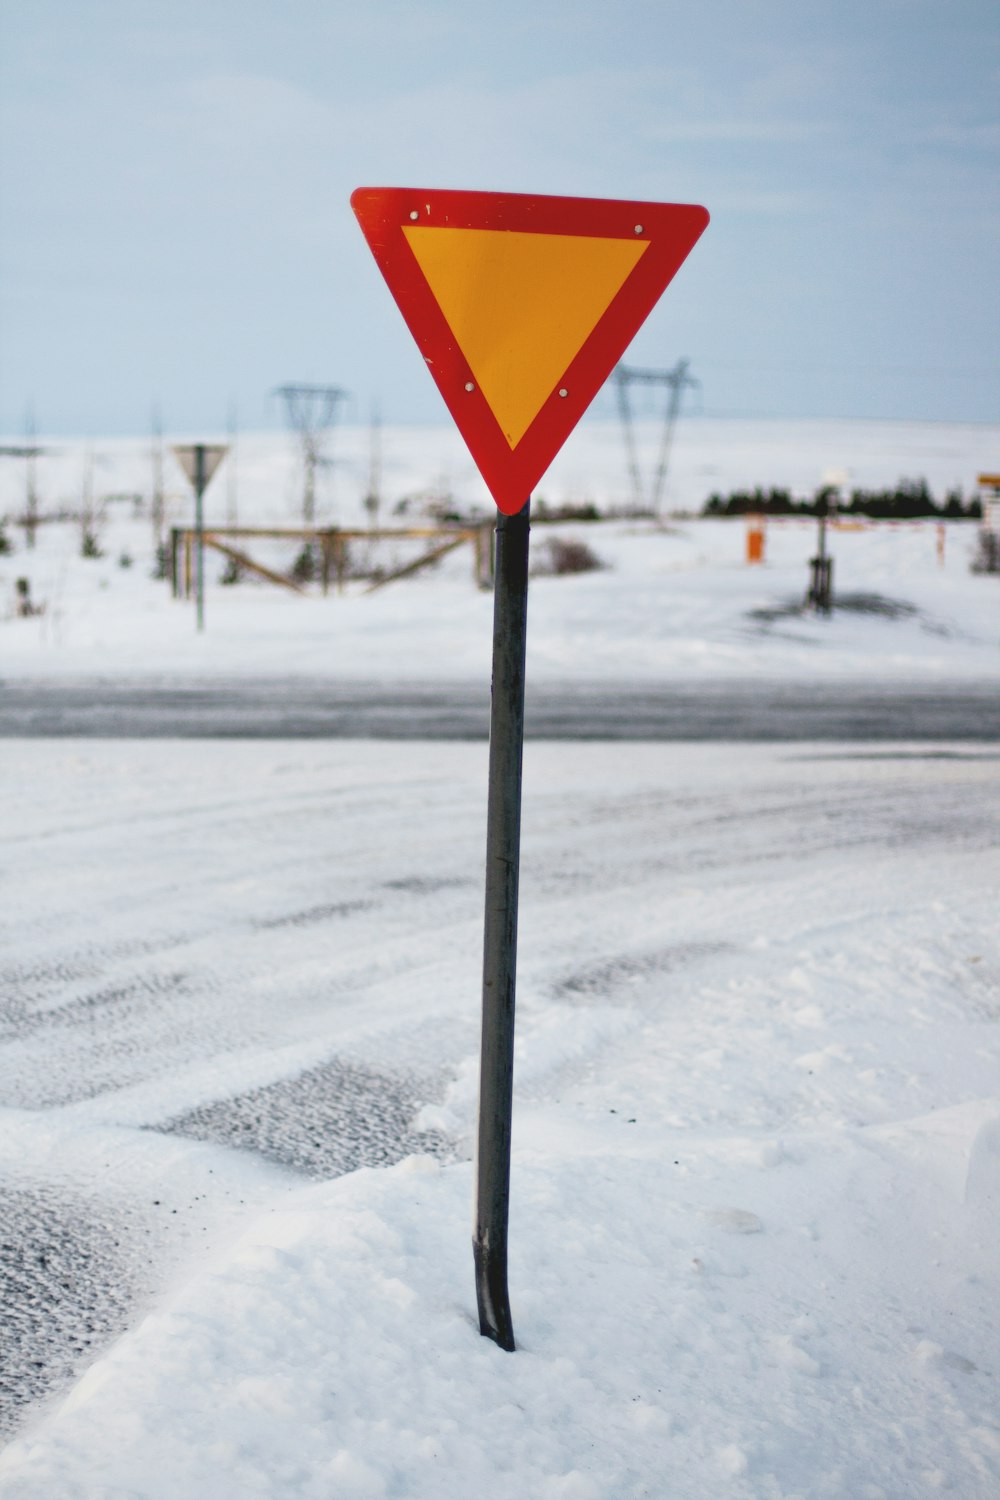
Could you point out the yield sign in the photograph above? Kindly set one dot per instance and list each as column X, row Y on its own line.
column 522, row 306
column 187, row 456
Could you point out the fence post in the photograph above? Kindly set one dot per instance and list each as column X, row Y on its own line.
column 200, row 481
column 326, row 543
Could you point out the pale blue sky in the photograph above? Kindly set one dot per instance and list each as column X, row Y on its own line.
column 175, row 175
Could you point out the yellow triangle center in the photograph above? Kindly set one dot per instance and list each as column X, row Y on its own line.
column 521, row 306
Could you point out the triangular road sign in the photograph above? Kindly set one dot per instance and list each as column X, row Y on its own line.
column 522, row 306
column 186, row 455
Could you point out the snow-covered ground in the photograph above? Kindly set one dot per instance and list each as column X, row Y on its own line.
column 757, row 1126
column 672, row 602
column 756, row 1185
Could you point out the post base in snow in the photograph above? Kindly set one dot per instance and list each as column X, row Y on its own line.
column 820, row 591
column 495, row 1321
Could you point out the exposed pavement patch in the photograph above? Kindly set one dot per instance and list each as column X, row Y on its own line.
column 603, row 981
column 67, row 1288
column 323, row 1123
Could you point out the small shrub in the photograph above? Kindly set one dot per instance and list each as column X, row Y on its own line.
column 306, row 566
column 125, row 561
column 25, row 606
column 89, row 545
column 5, row 542
column 232, row 573
column 558, row 555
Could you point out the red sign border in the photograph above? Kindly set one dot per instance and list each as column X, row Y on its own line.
column 671, row 229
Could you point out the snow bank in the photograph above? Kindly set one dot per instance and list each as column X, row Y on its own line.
column 675, row 602
column 743, row 1317
column 756, row 1179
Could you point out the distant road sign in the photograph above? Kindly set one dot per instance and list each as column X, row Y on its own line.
column 989, row 481
column 186, row 455
column 522, row 306
column 199, row 462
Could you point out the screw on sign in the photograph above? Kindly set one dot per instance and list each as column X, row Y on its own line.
column 521, row 307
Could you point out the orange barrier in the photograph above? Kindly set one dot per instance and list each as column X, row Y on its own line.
column 755, row 541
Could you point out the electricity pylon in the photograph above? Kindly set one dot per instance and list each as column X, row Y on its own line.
column 312, row 410
column 675, row 381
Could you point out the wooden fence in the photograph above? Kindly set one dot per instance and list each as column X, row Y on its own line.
column 332, row 544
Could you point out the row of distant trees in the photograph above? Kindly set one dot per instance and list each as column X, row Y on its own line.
column 910, row 500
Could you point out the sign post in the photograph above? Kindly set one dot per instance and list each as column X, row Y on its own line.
column 199, row 462
column 503, row 852
column 521, row 307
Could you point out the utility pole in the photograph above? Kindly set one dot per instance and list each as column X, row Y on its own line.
column 232, row 471
column 157, row 505
column 675, row 381
column 311, row 411
column 373, row 495
column 89, row 546
column 31, row 452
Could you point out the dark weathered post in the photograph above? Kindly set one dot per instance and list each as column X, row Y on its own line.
column 199, row 521
column 326, row 549
column 503, row 840
column 820, row 590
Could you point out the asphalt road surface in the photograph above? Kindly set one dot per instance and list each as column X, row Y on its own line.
column 319, row 709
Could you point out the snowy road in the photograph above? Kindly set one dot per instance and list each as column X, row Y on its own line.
column 230, row 968
column 321, row 709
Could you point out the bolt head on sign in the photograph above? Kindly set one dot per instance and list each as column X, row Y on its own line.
column 522, row 306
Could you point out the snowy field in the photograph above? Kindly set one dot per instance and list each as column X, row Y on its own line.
column 757, row 1126
column 674, row 602
column 679, row 603
column 756, row 1179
